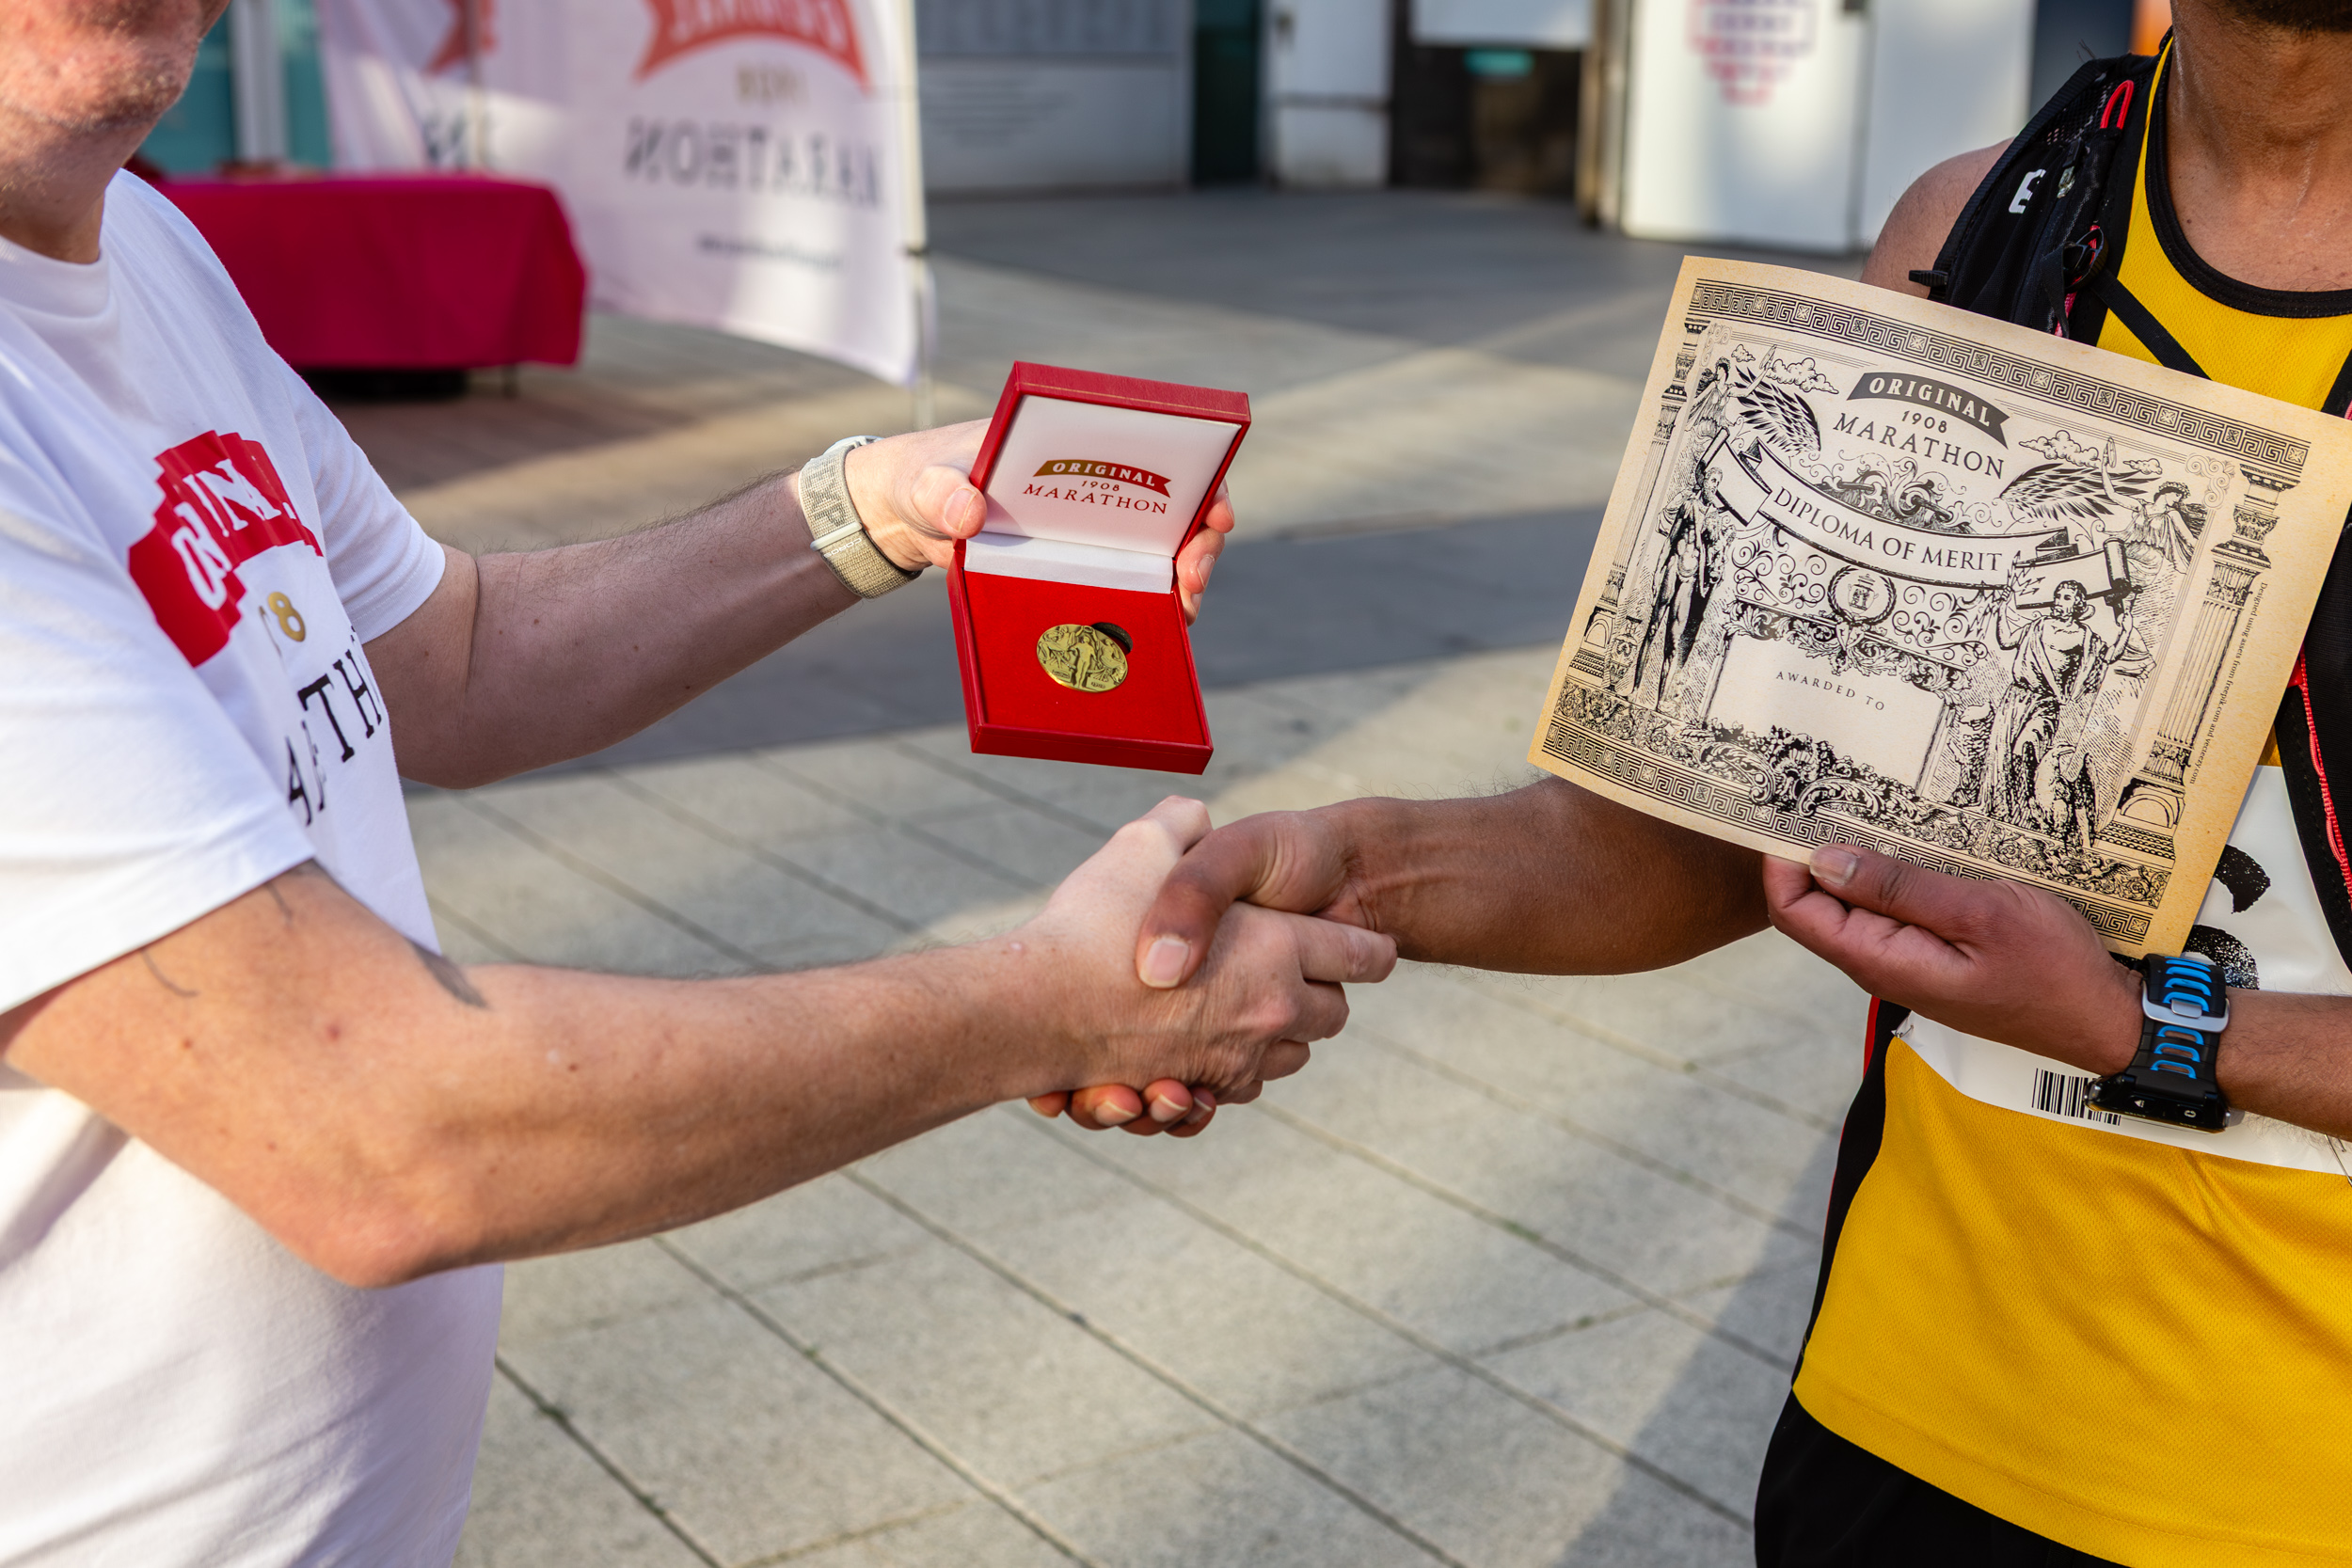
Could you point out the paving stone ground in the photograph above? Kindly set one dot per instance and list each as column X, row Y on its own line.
column 1513, row 1274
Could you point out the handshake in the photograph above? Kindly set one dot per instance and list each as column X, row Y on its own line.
column 1195, row 965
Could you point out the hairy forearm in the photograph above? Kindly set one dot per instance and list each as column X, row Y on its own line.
column 559, row 653
column 582, row 1109
column 1547, row 879
column 386, row 1114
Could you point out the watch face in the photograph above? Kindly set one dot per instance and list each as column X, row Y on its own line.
column 1086, row 658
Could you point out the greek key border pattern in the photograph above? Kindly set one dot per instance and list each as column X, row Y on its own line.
column 2132, row 836
column 1606, row 757
column 1921, row 346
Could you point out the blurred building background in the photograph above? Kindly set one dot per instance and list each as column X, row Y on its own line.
column 256, row 95
column 1787, row 122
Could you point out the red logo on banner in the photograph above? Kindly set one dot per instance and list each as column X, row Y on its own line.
column 475, row 17
column 683, row 25
column 1749, row 45
column 223, row 504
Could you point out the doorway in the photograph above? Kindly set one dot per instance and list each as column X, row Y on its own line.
column 1225, row 91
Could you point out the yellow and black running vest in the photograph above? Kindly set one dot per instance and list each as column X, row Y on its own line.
column 2132, row 1339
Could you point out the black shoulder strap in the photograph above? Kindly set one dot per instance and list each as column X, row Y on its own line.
column 2054, row 206
column 2153, row 334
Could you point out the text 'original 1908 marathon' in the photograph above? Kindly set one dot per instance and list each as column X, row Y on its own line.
column 1890, row 574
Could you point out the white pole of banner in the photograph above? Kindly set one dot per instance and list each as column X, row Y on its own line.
column 926, row 344
column 914, row 221
column 257, row 76
column 469, row 17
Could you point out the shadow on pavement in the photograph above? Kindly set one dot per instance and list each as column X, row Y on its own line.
column 1709, row 1429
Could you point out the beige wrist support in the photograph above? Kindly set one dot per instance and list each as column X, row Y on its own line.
column 836, row 531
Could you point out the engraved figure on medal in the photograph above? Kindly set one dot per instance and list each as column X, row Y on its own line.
column 1086, row 657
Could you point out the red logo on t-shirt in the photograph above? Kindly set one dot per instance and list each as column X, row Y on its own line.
column 681, row 25
column 223, row 504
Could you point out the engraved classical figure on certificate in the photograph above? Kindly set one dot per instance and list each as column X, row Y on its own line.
column 1881, row 571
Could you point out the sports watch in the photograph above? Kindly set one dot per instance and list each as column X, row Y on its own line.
column 2174, row 1077
column 837, row 532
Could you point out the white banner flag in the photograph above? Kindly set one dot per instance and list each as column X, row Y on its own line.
column 751, row 166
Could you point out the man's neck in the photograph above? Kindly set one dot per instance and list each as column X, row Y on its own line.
column 53, row 185
column 2259, row 134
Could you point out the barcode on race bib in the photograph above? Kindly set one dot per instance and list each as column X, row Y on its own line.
column 2066, row 1094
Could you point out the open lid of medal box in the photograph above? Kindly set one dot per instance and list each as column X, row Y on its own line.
column 1093, row 483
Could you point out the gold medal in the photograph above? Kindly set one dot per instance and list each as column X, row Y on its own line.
column 1086, row 658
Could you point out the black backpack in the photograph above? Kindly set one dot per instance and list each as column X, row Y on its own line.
column 2033, row 246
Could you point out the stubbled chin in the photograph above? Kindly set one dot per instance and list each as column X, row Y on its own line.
column 130, row 91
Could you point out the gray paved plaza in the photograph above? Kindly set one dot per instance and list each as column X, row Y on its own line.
column 1512, row 1276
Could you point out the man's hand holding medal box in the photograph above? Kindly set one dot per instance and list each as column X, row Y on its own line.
column 1068, row 627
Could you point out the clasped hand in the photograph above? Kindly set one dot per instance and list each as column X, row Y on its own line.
column 1278, row 861
column 1263, row 983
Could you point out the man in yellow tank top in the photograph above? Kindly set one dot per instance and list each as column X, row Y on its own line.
column 2044, row 1336
column 2131, row 1343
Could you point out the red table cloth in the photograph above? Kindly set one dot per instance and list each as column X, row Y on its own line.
column 397, row 272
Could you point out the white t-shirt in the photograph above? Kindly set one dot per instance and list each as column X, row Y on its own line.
column 192, row 552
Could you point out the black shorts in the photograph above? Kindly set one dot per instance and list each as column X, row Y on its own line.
column 1824, row 1503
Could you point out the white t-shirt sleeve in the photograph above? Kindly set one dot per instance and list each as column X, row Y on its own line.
column 384, row 564
column 129, row 804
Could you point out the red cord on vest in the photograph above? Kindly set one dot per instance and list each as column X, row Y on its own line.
column 2301, row 682
column 2122, row 96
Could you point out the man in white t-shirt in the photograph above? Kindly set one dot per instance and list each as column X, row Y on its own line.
column 259, row 1142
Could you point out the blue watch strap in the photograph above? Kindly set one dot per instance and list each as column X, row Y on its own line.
column 2188, row 991
column 2184, row 1006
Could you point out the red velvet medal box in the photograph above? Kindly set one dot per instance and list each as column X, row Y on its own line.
column 1093, row 483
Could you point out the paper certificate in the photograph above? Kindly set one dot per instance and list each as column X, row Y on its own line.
column 1885, row 572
